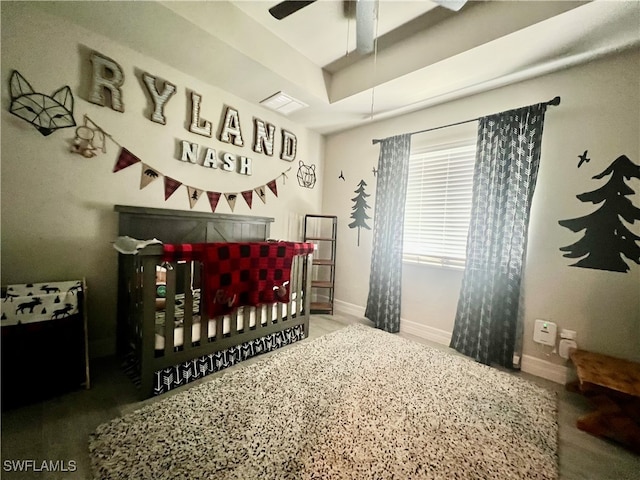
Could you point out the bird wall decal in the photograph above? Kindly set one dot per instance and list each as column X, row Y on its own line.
column 583, row 158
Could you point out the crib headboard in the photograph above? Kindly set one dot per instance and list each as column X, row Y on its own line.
column 177, row 226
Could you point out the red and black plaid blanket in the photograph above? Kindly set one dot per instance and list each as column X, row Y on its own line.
column 237, row 274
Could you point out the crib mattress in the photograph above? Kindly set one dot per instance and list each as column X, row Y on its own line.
column 178, row 331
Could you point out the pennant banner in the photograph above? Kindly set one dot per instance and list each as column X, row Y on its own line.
column 231, row 199
column 194, row 195
column 148, row 175
column 261, row 193
column 170, row 186
column 213, row 200
column 248, row 197
column 125, row 159
column 273, row 187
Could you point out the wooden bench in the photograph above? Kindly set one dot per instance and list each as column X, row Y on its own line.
column 613, row 386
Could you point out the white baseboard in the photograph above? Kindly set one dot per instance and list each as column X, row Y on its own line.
column 412, row 328
column 348, row 308
column 533, row 365
column 441, row 337
column 542, row 368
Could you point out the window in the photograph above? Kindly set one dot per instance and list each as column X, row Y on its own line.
column 438, row 204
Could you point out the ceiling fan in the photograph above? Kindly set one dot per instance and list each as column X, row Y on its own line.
column 365, row 17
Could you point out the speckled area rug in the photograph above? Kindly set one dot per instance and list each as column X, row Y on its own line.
column 358, row 403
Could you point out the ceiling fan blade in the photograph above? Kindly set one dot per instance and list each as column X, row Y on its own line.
column 454, row 5
column 286, row 8
column 365, row 21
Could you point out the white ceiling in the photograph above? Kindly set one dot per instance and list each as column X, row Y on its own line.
column 426, row 55
column 325, row 31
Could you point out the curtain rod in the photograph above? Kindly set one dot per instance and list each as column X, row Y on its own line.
column 553, row 102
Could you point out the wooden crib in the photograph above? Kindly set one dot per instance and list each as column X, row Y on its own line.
column 161, row 326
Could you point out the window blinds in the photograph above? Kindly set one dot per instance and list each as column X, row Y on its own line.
column 438, row 204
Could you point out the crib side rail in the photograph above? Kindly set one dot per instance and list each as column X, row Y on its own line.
column 266, row 321
column 148, row 319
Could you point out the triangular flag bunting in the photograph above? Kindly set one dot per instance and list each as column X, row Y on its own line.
column 213, row 200
column 148, row 175
column 261, row 193
column 284, row 176
column 231, row 199
column 170, row 186
column 248, row 197
column 272, row 186
column 125, row 159
column 194, row 195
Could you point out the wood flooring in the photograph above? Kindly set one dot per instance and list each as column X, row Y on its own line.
column 58, row 429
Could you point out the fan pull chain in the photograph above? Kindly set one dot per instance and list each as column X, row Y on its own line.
column 348, row 27
column 375, row 60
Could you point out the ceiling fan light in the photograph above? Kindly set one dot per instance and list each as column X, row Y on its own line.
column 365, row 21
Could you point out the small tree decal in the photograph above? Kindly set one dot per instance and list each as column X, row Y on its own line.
column 359, row 208
column 606, row 237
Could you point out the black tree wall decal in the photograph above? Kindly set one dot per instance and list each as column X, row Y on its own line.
column 359, row 208
column 606, row 237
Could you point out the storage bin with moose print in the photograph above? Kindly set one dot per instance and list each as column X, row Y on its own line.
column 44, row 340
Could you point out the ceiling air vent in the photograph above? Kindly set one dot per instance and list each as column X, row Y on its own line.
column 283, row 103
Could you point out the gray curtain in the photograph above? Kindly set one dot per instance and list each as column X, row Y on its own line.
column 383, row 302
column 488, row 319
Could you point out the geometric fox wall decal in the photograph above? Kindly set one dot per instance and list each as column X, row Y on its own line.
column 46, row 113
